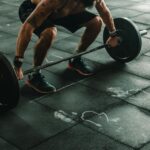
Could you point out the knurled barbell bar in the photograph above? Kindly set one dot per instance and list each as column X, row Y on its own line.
column 126, row 51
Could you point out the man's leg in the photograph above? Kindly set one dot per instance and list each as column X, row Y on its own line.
column 36, row 80
column 43, row 44
column 93, row 28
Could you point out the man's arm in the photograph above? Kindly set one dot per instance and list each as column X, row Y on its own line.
column 105, row 15
column 41, row 12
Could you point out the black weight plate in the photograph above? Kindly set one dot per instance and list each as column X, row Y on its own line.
column 9, row 86
column 131, row 40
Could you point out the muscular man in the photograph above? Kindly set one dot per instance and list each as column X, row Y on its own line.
column 42, row 16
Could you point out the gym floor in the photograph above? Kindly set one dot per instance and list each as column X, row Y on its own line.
column 107, row 111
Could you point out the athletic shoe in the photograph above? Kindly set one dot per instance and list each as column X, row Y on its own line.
column 79, row 65
column 38, row 83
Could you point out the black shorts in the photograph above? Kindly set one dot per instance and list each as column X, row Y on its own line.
column 71, row 22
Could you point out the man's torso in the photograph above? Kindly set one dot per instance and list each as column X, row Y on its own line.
column 67, row 7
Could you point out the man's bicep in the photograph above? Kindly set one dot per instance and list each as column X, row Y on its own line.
column 40, row 13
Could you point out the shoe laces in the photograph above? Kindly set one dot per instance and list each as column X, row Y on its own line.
column 41, row 77
column 81, row 62
column 38, row 76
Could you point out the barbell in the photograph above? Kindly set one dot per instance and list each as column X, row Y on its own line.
column 126, row 51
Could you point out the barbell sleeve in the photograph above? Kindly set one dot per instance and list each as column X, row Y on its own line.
column 143, row 32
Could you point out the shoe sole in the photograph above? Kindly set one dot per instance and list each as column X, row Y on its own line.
column 80, row 72
column 37, row 90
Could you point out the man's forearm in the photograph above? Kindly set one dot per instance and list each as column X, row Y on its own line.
column 23, row 39
column 108, row 20
column 106, row 16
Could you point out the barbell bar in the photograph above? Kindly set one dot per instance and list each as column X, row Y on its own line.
column 63, row 59
column 126, row 51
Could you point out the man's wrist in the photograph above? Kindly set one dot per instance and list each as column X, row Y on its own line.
column 113, row 33
column 18, row 61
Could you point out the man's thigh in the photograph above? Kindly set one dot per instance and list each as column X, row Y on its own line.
column 26, row 9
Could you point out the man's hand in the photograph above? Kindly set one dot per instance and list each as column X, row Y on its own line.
column 113, row 41
column 19, row 73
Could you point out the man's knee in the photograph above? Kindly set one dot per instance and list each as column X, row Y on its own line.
column 49, row 34
column 95, row 24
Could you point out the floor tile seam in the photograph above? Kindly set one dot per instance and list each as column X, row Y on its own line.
column 7, row 32
column 108, row 136
column 3, row 2
column 51, row 137
column 10, row 21
column 143, row 145
column 136, row 75
column 135, row 105
column 126, row 7
column 112, row 6
column 39, row 98
column 7, row 39
column 130, row 17
column 11, row 143
column 132, row 9
column 145, row 51
column 141, row 23
column 10, row 4
column 133, row 17
column 138, row 92
column 138, row 106
column 148, row 28
column 37, row 101
column 146, row 37
column 123, row 99
column 144, row 55
column 10, row 16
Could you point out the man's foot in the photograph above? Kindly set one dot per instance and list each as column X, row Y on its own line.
column 80, row 66
column 38, row 83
